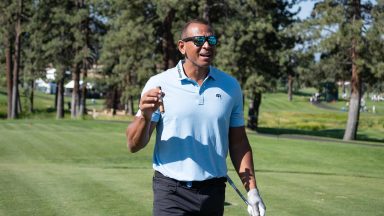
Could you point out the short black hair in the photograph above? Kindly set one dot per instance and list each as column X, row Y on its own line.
column 198, row 21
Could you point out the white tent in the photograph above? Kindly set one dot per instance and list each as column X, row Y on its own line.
column 68, row 88
column 48, row 88
column 71, row 84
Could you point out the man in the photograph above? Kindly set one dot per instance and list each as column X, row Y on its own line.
column 202, row 120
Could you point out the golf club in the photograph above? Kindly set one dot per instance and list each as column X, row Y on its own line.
column 237, row 190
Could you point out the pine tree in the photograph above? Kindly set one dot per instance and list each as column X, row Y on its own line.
column 128, row 54
column 375, row 49
column 11, row 20
column 250, row 45
column 58, row 45
column 34, row 61
column 337, row 29
column 85, row 26
column 7, row 38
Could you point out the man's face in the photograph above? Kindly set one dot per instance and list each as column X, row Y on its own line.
column 201, row 56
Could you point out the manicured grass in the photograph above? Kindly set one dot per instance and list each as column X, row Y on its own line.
column 280, row 116
column 44, row 107
column 277, row 115
column 50, row 167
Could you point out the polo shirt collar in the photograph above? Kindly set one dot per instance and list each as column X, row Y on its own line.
column 181, row 74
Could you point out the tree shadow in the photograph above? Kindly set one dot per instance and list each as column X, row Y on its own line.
column 3, row 115
column 329, row 133
column 295, row 93
column 318, row 173
column 305, row 94
column 3, row 92
column 39, row 112
column 366, row 138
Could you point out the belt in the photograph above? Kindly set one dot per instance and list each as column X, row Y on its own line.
column 194, row 184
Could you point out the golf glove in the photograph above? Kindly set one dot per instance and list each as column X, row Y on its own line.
column 256, row 206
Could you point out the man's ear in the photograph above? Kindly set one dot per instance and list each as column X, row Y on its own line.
column 181, row 47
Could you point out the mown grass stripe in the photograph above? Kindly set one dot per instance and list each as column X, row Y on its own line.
column 21, row 196
column 90, row 172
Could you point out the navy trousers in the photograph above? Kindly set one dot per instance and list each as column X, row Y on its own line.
column 177, row 198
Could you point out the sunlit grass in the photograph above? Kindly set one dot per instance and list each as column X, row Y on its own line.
column 302, row 117
column 277, row 114
column 51, row 167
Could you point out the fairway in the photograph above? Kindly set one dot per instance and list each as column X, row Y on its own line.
column 50, row 167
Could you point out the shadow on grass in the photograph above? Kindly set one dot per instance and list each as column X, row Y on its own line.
column 295, row 93
column 330, row 133
column 40, row 113
column 334, row 133
column 3, row 115
column 366, row 138
column 318, row 173
column 305, row 94
column 3, row 90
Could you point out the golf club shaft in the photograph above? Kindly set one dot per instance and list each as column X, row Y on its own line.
column 237, row 190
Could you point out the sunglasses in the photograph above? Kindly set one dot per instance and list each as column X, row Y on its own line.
column 200, row 40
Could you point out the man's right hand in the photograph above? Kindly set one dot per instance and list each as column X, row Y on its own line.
column 150, row 102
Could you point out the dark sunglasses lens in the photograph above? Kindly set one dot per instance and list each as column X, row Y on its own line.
column 199, row 40
column 212, row 40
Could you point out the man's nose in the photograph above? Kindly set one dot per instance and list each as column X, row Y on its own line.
column 206, row 45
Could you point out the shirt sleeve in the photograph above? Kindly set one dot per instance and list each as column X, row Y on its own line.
column 155, row 115
column 237, row 115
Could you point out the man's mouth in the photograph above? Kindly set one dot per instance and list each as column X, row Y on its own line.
column 206, row 55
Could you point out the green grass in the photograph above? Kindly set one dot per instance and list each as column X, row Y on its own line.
column 50, row 167
column 3, row 103
column 277, row 115
column 280, row 116
column 44, row 107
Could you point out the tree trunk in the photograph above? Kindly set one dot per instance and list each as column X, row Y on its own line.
column 75, row 92
column 129, row 106
column 169, row 48
column 16, row 64
column 253, row 111
column 83, row 97
column 60, row 99
column 8, row 63
column 56, row 96
column 354, row 103
column 18, row 103
column 31, row 95
column 290, row 83
column 206, row 7
column 83, row 101
column 114, row 101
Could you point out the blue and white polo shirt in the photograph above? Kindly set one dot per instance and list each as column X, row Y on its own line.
column 192, row 133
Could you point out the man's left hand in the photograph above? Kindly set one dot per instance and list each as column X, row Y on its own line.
column 256, row 206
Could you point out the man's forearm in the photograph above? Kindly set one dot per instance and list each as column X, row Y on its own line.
column 138, row 133
column 241, row 156
column 246, row 172
column 243, row 164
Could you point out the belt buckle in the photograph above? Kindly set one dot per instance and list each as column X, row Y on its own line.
column 189, row 184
